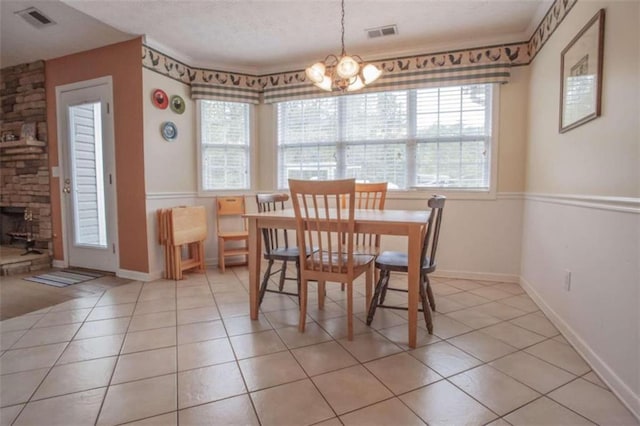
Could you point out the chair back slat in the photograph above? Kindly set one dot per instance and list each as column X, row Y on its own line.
column 430, row 243
column 368, row 196
column 229, row 211
column 323, row 225
column 273, row 238
column 231, row 205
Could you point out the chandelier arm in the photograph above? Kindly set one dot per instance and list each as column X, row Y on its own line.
column 330, row 57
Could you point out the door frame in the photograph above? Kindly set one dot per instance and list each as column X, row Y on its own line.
column 62, row 160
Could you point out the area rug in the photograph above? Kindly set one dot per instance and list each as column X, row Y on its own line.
column 64, row 277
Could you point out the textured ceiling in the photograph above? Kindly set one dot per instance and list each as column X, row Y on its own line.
column 262, row 36
column 74, row 32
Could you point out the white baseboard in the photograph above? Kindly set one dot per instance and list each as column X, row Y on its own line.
column 59, row 264
column 617, row 386
column 138, row 276
column 478, row 276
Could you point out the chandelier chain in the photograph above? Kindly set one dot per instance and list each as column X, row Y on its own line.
column 342, row 24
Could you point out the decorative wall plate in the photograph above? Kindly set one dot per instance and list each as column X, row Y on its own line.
column 177, row 104
column 160, row 99
column 169, row 131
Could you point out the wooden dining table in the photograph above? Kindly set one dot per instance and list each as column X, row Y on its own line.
column 408, row 223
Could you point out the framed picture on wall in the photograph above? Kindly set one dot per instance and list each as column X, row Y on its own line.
column 581, row 71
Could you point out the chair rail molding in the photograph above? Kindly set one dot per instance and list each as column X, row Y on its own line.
column 170, row 195
column 619, row 204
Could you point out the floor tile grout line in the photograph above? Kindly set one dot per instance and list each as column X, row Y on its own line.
column 547, row 395
column 308, row 377
column 49, row 371
column 394, row 395
column 177, row 390
column 104, row 398
column 555, row 365
column 518, row 350
column 360, row 362
column 487, row 363
column 233, row 351
column 405, row 350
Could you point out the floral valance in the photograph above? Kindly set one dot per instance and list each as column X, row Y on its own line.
column 488, row 66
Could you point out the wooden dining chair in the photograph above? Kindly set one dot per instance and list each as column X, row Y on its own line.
column 369, row 196
column 321, row 224
column 390, row 261
column 231, row 227
column 277, row 247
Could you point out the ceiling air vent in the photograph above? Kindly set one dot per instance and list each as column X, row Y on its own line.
column 35, row 17
column 387, row 30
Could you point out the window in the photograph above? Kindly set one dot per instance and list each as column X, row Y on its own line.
column 439, row 137
column 224, row 145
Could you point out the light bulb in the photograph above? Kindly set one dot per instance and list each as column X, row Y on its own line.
column 324, row 84
column 315, row 72
column 356, row 84
column 370, row 73
column 347, row 67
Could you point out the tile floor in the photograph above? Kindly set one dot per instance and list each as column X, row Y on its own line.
column 167, row 353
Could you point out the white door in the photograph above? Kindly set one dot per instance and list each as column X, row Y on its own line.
column 85, row 123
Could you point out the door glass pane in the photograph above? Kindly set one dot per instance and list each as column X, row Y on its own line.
column 87, row 175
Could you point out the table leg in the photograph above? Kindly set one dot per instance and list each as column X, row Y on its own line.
column 413, row 280
column 255, row 242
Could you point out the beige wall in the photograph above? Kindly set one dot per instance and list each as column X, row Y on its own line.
column 601, row 157
column 170, row 167
column 582, row 211
column 513, row 131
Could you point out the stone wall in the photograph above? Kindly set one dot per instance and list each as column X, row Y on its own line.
column 24, row 170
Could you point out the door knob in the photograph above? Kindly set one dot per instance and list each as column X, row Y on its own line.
column 67, row 186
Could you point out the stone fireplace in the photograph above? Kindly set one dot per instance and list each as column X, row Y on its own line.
column 24, row 162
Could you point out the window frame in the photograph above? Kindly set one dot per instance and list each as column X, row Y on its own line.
column 251, row 156
column 411, row 142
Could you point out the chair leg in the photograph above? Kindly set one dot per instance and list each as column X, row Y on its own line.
column 283, row 274
column 385, row 286
column 425, row 307
column 368, row 285
column 298, row 280
column 432, row 300
column 350, row 310
column 221, row 254
column 265, row 281
column 376, row 295
column 321, row 294
column 303, row 306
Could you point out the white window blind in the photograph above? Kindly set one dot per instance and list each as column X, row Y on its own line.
column 224, row 145
column 438, row 137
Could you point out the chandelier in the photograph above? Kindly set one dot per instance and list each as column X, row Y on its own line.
column 345, row 73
